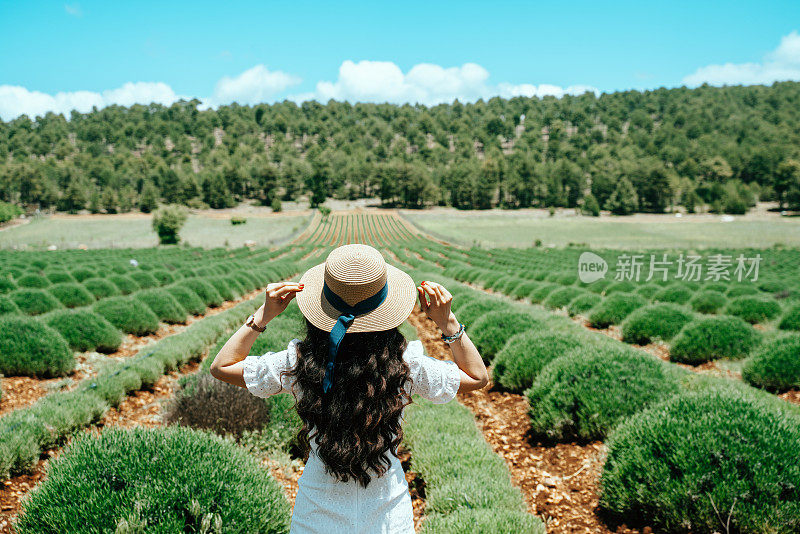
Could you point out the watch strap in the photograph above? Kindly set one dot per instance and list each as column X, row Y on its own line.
column 251, row 322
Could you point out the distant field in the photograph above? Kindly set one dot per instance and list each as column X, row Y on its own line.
column 135, row 231
column 522, row 229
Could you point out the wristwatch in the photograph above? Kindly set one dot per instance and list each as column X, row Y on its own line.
column 251, row 322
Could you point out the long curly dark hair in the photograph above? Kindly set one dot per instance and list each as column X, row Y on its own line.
column 358, row 420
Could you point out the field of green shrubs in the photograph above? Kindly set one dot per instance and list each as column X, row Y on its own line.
column 685, row 449
column 696, row 434
column 172, row 478
column 699, row 321
column 54, row 303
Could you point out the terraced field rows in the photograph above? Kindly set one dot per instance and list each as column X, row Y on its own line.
column 373, row 229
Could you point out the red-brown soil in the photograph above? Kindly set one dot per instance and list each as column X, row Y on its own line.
column 559, row 482
column 416, row 486
column 792, row 396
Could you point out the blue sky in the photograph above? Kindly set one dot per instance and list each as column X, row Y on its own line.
column 60, row 55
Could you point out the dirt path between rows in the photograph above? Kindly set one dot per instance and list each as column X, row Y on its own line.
column 559, row 482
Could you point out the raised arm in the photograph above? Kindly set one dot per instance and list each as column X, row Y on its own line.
column 435, row 301
column 227, row 365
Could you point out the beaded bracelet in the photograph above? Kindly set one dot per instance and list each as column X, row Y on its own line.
column 454, row 337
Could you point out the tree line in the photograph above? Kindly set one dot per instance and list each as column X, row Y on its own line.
column 718, row 149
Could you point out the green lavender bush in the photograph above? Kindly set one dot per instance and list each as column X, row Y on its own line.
column 155, row 480
column 705, row 457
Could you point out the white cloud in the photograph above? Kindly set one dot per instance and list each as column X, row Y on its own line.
column 254, row 85
column 425, row 83
column 141, row 93
column 73, row 9
column 365, row 81
column 507, row 90
column 781, row 64
column 16, row 100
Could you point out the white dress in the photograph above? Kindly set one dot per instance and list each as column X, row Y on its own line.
column 325, row 505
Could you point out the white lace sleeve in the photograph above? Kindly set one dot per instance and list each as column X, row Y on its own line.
column 436, row 380
column 262, row 374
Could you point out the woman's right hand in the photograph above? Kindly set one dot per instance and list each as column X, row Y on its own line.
column 435, row 301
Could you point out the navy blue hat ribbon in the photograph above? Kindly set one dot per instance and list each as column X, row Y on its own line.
column 348, row 315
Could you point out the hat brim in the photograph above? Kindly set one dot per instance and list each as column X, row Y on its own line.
column 399, row 303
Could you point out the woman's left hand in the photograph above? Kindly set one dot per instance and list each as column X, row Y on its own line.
column 278, row 297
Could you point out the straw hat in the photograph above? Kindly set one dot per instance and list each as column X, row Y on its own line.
column 355, row 273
